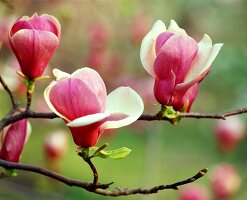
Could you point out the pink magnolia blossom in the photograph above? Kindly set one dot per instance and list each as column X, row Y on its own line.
column 140, row 25
column 229, row 133
column 14, row 137
column 225, row 181
column 81, row 100
column 34, row 41
column 177, row 63
column 98, row 36
column 55, row 144
column 194, row 193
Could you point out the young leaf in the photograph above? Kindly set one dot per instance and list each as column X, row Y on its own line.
column 114, row 154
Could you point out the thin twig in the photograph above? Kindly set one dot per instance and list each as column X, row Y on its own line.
column 25, row 114
column 5, row 86
column 94, row 170
column 156, row 189
column 100, row 188
column 39, row 170
column 202, row 115
column 222, row 115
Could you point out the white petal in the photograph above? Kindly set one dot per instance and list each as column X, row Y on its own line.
column 48, row 102
column 60, row 74
column 86, row 120
column 126, row 101
column 147, row 51
column 29, row 131
column 205, row 57
column 174, row 28
column 78, row 71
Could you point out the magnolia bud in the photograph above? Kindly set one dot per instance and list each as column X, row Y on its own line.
column 225, row 181
column 56, row 144
column 229, row 133
column 194, row 193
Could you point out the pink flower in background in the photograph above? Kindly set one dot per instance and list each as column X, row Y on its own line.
column 225, row 181
column 14, row 137
column 34, row 41
column 194, row 193
column 140, row 25
column 177, row 63
column 98, row 36
column 81, row 100
column 229, row 133
column 96, row 58
column 55, row 144
column 8, row 71
column 4, row 28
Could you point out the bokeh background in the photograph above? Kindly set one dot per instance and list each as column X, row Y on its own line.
column 106, row 35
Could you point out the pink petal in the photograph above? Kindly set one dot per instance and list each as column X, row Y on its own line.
column 48, row 102
column 14, row 141
column 163, row 89
column 147, row 51
column 177, row 55
column 183, row 87
column 86, row 136
column 39, row 47
column 93, row 81
column 54, row 24
column 73, row 99
column 183, row 101
column 43, row 23
column 161, row 40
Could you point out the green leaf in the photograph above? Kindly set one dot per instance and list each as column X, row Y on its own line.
column 114, row 154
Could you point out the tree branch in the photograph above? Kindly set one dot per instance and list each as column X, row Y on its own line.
column 39, row 170
column 5, row 86
column 222, row 115
column 156, row 189
column 100, row 188
column 94, row 170
column 31, row 114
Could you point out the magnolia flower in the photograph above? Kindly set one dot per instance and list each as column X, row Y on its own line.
column 55, row 144
column 177, row 63
column 14, row 137
column 225, row 181
column 34, row 41
column 81, row 100
column 229, row 133
column 195, row 192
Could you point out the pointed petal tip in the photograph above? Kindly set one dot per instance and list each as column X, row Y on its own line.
column 59, row 74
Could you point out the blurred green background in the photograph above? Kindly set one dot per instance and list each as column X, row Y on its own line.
column 161, row 153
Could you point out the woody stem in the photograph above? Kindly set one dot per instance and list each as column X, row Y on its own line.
column 93, row 168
